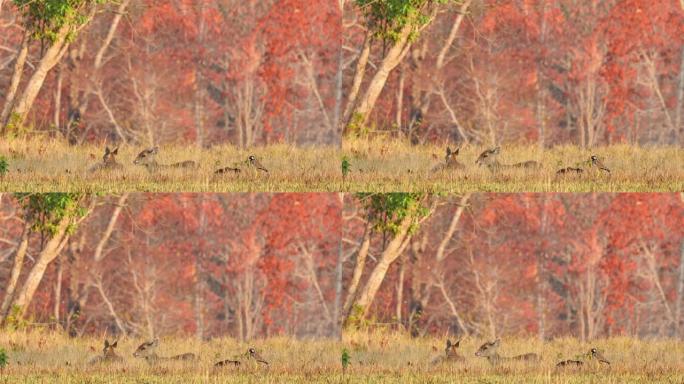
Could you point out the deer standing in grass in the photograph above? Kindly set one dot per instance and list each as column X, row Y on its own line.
column 108, row 161
column 148, row 351
column 489, row 350
column 108, row 354
column 451, row 353
column 147, row 158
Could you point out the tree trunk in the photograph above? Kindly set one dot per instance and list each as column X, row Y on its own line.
column 358, row 271
column 360, row 113
column 400, row 288
column 16, row 272
column 52, row 56
column 48, row 254
column 679, row 107
column 389, row 255
column 19, row 64
column 359, row 73
column 680, row 293
column 98, row 255
column 339, row 268
column 440, row 255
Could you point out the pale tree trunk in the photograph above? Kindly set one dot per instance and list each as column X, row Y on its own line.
column 679, row 107
column 541, row 273
column 360, row 113
column 441, row 254
column 393, row 250
column 199, row 84
column 58, row 288
column 98, row 255
column 16, row 272
column 680, row 293
column 400, row 288
column 339, row 269
column 359, row 266
column 198, row 278
column 359, row 73
column 18, row 71
column 48, row 254
column 21, row 108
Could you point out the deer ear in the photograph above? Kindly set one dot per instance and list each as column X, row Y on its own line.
column 457, row 150
column 107, row 150
column 448, row 151
column 113, row 345
column 106, row 343
column 458, row 343
column 448, row 343
column 115, row 151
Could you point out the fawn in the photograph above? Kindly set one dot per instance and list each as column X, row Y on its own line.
column 148, row 351
column 450, row 161
column 108, row 161
column 451, row 353
column 108, row 354
column 489, row 350
column 488, row 157
column 147, row 158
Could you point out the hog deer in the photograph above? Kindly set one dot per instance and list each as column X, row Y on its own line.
column 108, row 163
column 147, row 158
column 108, row 354
column 148, row 351
column 251, row 354
column 450, row 161
column 451, row 353
column 489, row 158
column 596, row 354
column 489, row 350
column 596, row 162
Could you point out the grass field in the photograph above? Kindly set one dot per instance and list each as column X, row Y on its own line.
column 375, row 166
column 390, row 358
column 45, row 166
column 380, row 165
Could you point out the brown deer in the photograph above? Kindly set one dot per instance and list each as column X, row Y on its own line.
column 108, row 354
column 109, row 162
column 251, row 354
column 596, row 354
column 489, row 158
column 596, row 162
column 569, row 171
column 569, row 364
column 148, row 351
column 147, row 158
column 450, row 161
column 489, row 350
column 451, row 353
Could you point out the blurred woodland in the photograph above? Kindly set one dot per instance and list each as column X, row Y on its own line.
column 536, row 71
column 489, row 265
column 148, row 72
column 238, row 265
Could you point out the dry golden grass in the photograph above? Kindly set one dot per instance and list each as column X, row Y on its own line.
column 386, row 165
column 375, row 358
column 46, row 166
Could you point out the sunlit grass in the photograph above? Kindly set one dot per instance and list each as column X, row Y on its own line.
column 43, row 166
column 385, row 165
column 375, row 358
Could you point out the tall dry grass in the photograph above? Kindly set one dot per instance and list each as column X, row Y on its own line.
column 38, row 165
column 385, row 165
column 375, row 357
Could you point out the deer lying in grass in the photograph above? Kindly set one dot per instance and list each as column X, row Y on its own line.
column 489, row 351
column 147, row 158
column 148, row 351
column 108, row 354
column 489, row 158
column 451, row 354
column 251, row 162
column 251, row 354
column 450, row 163
column 108, row 163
